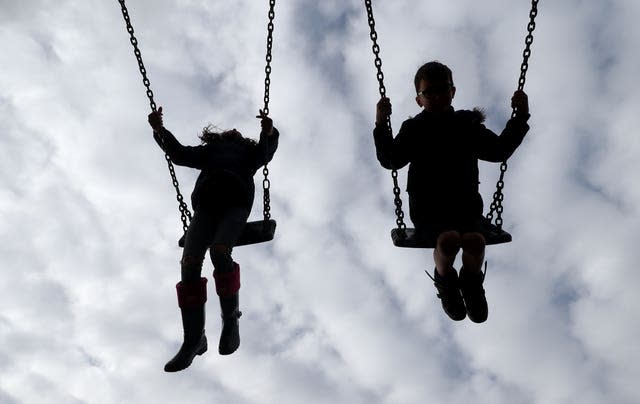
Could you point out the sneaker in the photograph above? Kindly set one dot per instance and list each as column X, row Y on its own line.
column 473, row 295
column 449, row 295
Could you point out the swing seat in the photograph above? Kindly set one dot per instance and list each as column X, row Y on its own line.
column 411, row 239
column 257, row 232
column 253, row 233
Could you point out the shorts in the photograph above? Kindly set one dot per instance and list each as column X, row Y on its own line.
column 430, row 222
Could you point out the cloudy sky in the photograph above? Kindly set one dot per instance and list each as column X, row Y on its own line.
column 333, row 313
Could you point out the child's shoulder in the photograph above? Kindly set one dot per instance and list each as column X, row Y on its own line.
column 418, row 119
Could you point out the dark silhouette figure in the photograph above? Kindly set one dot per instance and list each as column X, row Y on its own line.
column 222, row 200
column 442, row 147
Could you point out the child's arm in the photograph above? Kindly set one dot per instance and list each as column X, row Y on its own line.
column 190, row 156
column 268, row 142
column 392, row 153
column 499, row 148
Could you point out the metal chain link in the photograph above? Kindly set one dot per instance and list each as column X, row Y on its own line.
column 498, row 196
column 185, row 214
column 380, row 76
column 266, row 211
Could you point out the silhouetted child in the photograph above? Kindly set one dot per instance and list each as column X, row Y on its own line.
column 442, row 147
column 222, row 200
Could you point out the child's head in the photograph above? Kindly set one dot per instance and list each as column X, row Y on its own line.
column 434, row 86
column 211, row 133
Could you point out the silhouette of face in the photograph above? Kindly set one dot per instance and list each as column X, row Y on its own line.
column 435, row 95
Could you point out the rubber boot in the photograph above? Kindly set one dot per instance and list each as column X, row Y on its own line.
column 230, row 335
column 227, row 287
column 191, row 299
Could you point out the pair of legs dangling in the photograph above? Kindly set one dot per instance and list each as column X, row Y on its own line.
column 462, row 294
column 217, row 233
column 454, row 229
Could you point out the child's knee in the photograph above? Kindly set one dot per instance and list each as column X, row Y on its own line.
column 191, row 267
column 221, row 258
column 449, row 242
column 191, row 263
column 473, row 243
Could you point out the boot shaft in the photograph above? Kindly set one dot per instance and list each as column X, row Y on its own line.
column 192, row 297
column 229, row 306
column 227, row 282
column 193, row 320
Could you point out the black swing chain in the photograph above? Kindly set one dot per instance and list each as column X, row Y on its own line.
column 378, row 63
column 185, row 214
column 267, row 82
column 498, row 196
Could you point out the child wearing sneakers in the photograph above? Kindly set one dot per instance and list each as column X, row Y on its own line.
column 442, row 147
column 222, row 200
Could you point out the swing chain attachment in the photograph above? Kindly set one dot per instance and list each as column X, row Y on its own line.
column 380, row 76
column 267, row 82
column 498, row 196
column 185, row 214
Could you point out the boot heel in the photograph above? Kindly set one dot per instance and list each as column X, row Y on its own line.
column 204, row 347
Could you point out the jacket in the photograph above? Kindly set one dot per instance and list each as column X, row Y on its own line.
column 226, row 167
column 442, row 150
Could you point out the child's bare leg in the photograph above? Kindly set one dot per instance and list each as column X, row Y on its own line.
column 473, row 251
column 444, row 254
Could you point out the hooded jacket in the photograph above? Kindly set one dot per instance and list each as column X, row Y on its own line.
column 442, row 150
column 227, row 167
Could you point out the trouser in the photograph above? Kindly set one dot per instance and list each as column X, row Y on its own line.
column 208, row 229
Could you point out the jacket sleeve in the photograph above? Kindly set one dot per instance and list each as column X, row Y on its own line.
column 189, row 156
column 266, row 147
column 392, row 153
column 494, row 148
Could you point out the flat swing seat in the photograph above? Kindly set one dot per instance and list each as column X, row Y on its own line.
column 411, row 239
column 255, row 232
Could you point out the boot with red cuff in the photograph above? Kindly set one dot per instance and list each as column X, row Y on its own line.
column 192, row 297
column 227, row 287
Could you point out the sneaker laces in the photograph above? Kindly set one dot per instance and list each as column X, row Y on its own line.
column 442, row 287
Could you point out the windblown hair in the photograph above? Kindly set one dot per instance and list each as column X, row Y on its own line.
column 433, row 71
column 212, row 133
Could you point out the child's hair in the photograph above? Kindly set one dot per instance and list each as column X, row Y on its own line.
column 212, row 133
column 433, row 71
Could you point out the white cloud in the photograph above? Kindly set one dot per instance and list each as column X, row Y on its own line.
column 332, row 312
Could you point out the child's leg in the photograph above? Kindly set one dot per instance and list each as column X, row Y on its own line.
column 197, row 241
column 192, row 294
column 444, row 254
column 228, row 230
column 472, row 277
column 446, row 277
column 473, row 245
column 227, row 275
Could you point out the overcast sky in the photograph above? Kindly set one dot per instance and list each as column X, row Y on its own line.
column 333, row 313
